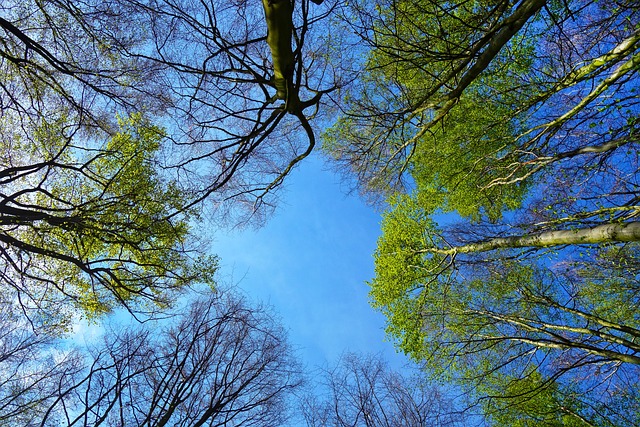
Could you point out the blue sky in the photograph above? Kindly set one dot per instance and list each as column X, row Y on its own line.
column 310, row 262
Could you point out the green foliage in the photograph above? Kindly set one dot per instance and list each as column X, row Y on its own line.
column 508, row 331
column 538, row 401
column 421, row 51
column 402, row 278
column 534, row 402
column 109, row 229
column 455, row 163
column 519, row 336
column 420, row 44
column 513, row 136
column 613, row 291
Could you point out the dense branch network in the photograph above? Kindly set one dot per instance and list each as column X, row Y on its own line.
column 219, row 362
column 124, row 121
column 503, row 138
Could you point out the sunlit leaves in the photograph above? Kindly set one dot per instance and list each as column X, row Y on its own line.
column 103, row 226
column 457, row 161
column 404, row 275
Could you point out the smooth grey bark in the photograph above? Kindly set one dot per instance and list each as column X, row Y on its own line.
column 622, row 232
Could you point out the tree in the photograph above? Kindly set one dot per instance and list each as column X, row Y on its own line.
column 200, row 69
column 31, row 371
column 569, row 320
column 363, row 391
column 220, row 362
column 480, row 98
column 539, row 402
column 122, row 122
column 97, row 228
column 500, row 135
column 519, row 121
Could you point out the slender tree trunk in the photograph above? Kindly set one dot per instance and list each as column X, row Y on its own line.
column 624, row 232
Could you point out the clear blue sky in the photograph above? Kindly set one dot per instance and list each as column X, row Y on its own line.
column 310, row 262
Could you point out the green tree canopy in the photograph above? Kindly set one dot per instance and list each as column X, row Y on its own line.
column 511, row 127
column 486, row 322
column 98, row 226
column 478, row 101
column 123, row 122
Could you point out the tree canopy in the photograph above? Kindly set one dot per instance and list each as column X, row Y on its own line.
column 98, row 226
column 125, row 123
column 511, row 129
column 502, row 136
column 219, row 362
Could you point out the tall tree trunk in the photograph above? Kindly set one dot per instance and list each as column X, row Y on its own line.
column 624, row 232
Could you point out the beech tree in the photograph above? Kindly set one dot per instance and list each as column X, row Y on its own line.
column 512, row 129
column 220, row 362
column 124, row 121
column 361, row 390
column 536, row 402
column 493, row 316
column 476, row 100
column 97, row 229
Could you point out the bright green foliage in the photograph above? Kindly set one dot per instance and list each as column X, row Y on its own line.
column 421, row 45
column 453, row 164
column 478, row 117
column 435, row 311
column 536, row 346
column 518, row 121
column 398, row 288
column 531, row 403
column 542, row 402
column 507, row 331
column 102, row 227
column 422, row 53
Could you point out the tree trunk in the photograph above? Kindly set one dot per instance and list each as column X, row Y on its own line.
column 624, row 232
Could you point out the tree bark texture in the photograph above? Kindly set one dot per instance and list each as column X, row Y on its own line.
column 623, row 232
